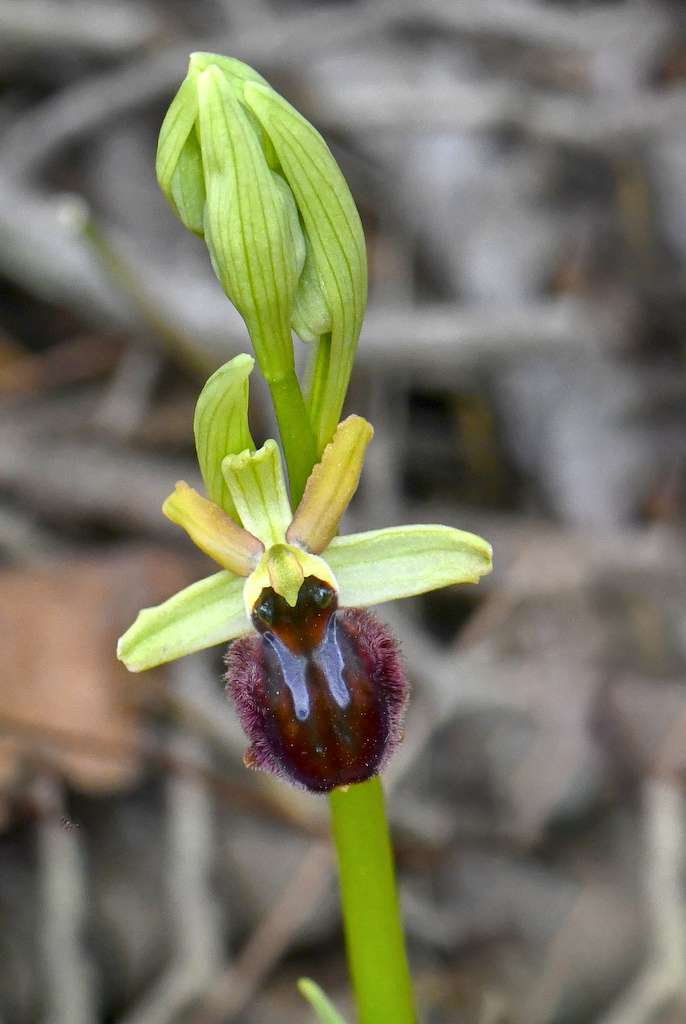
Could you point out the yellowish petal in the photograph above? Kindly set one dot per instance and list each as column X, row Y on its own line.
column 331, row 485
column 213, row 531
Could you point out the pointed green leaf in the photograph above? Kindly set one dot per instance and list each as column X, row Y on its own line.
column 258, row 489
column 320, row 1002
column 221, row 426
column 402, row 561
column 334, row 232
column 209, row 612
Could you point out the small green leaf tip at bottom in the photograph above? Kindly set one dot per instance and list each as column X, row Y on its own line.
column 320, row 1002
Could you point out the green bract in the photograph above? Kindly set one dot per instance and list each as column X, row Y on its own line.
column 246, row 172
column 251, row 531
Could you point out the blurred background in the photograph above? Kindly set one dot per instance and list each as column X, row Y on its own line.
column 520, row 168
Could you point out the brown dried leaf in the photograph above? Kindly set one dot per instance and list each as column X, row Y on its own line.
column 65, row 701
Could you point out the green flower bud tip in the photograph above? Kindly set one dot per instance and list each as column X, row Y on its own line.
column 246, row 172
column 317, row 682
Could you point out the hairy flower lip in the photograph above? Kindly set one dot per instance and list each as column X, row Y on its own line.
column 327, row 713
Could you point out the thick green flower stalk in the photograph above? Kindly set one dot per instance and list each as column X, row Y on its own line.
column 246, row 172
column 316, row 679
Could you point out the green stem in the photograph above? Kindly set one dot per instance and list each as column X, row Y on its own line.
column 297, row 437
column 371, row 917
column 319, row 370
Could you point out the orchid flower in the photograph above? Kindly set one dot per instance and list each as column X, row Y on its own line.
column 318, row 682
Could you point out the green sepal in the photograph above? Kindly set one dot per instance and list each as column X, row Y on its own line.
column 188, row 187
column 209, row 612
column 236, row 72
column 383, row 565
column 179, row 161
column 220, row 425
column 334, row 231
column 258, row 489
column 295, row 236
column 249, row 221
column 321, row 1004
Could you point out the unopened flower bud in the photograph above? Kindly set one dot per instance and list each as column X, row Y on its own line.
column 246, row 172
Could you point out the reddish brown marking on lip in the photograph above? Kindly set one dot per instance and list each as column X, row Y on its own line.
column 320, row 691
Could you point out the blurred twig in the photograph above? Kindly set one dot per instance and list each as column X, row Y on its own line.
column 194, row 919
column 664, row 979
column 233, row 988
column 586, row 27
column 92, row 28
column 456, row 106
column 69, row 993
column 128, row 394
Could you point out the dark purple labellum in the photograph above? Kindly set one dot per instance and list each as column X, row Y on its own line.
column 320, row 691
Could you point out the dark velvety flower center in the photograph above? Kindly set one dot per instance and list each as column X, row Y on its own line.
column 320, row 691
